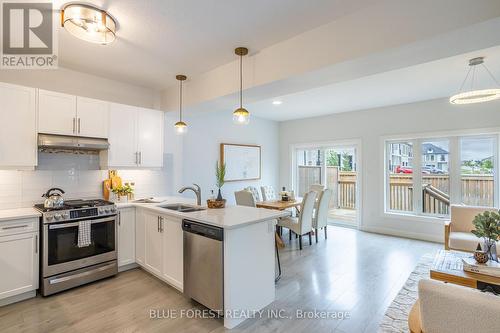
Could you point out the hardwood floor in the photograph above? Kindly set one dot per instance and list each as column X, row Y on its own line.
column 352, row 271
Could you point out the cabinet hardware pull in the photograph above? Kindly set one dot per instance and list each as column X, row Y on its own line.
column 74, row 125
column 36, row 244
column 15, row 227
column 119, row 218
column 158, row 224
column 140, row 157
column 78, row 125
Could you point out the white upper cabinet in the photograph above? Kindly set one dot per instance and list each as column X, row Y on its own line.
column 71, row 115
column 135, row 137
column 56, row 113
column 92, row 117
column 150, row 135
column 122, row 136
column 18, row 141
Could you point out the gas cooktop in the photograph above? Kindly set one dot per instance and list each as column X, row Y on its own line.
column 77, row 209
column 76, row 204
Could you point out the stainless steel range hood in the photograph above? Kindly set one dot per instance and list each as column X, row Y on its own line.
column 63, row 143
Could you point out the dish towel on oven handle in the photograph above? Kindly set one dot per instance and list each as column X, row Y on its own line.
column 84, row 228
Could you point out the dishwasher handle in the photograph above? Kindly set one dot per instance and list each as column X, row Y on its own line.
column 203, row 230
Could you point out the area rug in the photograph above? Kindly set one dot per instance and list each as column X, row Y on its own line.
column 396, row 316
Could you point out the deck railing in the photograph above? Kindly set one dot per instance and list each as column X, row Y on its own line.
column 477, row 190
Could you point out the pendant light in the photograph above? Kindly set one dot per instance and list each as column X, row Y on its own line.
column 476, row 96
column 241, row 116
column 89, row 23
column 180, row 126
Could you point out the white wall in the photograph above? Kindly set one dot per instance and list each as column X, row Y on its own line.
column 201, row 147
column 82, row 84
column 370, row 126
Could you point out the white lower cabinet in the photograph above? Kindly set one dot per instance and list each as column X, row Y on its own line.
column 159, row 246
column 154, row 243
column 173, row 263
column 18, row 258
column 126, row 236
column 140, row 237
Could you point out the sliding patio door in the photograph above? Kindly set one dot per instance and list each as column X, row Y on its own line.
column 335, row 168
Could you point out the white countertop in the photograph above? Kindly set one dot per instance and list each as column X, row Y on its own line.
column 227, row 218
column 18, row 213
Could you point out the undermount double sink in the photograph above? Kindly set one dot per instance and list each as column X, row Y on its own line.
column 182, row 208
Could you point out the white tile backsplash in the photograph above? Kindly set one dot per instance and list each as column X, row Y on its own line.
column 76, row 175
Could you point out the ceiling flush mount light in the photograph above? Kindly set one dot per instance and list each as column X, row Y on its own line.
column 180, row 126
column 476, row 96
column 277, row 102
column 241, row 116
column 89, row 23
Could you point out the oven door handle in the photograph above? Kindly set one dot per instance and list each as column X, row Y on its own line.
column 75, row 224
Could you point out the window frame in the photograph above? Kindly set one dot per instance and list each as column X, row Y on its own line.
column 454, row 171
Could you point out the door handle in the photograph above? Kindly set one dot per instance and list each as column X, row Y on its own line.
column 15, row 227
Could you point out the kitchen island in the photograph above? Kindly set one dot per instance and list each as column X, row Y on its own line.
column 248, row 251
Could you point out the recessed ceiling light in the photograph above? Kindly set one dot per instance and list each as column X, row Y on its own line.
column 277, row 102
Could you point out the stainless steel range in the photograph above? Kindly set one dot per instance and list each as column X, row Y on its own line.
column 66, row 260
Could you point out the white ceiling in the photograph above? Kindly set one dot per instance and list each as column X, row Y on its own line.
column 426, row 81
column 158, row 39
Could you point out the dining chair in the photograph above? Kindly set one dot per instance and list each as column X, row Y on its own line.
column 320, row 220
column 268, row 193
column 255, row 192
column 301, row 225
column 317, row 188
column 244, row 198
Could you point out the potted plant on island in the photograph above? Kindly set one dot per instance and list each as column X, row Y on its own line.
column 487, row 226
column 220, row 174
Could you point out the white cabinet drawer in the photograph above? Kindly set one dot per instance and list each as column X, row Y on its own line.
column 18, row 226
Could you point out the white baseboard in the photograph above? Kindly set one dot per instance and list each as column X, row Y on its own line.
column 404, row 234
column 18, row 298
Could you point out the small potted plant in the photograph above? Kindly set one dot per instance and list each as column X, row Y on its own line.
column 122, row 192
column 220, row 174
column 487, row 226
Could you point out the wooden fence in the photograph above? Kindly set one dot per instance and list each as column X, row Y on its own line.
column 477, row 190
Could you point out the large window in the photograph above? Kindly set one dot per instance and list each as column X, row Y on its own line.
column 425, row 176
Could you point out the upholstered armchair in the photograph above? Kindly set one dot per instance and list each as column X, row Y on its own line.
column 448, row 308
column 457, row 231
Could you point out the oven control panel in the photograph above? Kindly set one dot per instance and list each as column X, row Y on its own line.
column 75, row 214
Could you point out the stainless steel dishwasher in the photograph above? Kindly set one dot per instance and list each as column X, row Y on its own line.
column 204, row 264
